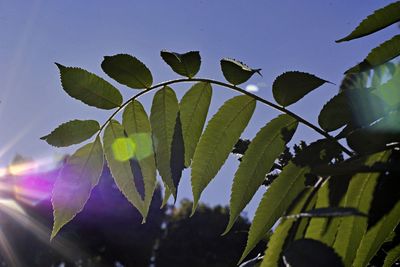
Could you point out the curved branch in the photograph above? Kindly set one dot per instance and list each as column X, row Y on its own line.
column 237, row 89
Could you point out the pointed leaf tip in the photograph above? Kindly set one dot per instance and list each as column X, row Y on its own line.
column 291, row 86
column 236, row 72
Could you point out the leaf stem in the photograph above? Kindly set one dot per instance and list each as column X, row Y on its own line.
column 234, row 88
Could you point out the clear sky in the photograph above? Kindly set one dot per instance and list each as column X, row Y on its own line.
column 276, row 36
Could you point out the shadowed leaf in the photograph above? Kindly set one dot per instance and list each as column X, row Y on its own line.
column 291, row 86
column 187, row 64
column 309, row 252
column 236, row 72
column 177, row 162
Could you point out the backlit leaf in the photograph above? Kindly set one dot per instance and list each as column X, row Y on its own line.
column 193, row 110
column 137, row 126
column 89, row 88
column 72, row 188
column 275, row 202
column 380, row 19
column 187, row 64
column 162, row 118
column 258, row 160
column 379, row 55
column 236, row 72
column 359, row 195
column 217, row 141
column 309, row 252
column 72, row 132
column 376, row 236
column 279, row 237
column 121, row 168
column 127, row 70
column 291, row 86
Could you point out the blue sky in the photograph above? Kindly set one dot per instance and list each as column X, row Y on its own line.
column 276, row 36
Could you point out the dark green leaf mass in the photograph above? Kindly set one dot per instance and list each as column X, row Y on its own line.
column 291, row 86
column 127, row 70
column 187, row 64
column 236, row 72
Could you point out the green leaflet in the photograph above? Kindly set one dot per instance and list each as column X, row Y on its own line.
column 392, row 256
column 72, row 188
column 335, row 113
column 323, row 229
column 291, row 86
column 217, row 141
column 89, row 88
column 375, row 237
column 261, row 154
column 379, row 55
column 187, row 64
column 274, row 203
column 121, row 170
column 236, row 72
column 193, row 110
column 72, row 132
column 380, row 19
column 162, row 118
column 278, row 238
column 359, row 195
column 137, row 126
column 127, row 70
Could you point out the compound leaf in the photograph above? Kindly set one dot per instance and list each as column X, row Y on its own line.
column 127, row 70
column 72, row 132
column 164, row 111
column 258, row 160
column 291, row 86
column 380, row 19
column 217, row 141
column 187, row 64
column 236, row 72
column 89, row 88
column 193, row 110
column 72, row 188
